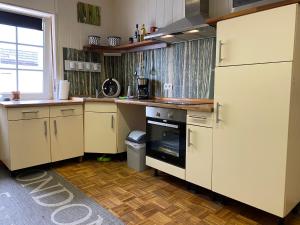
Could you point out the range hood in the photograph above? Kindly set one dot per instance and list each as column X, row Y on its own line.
column 192, row 27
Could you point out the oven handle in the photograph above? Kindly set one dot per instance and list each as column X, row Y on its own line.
column 163, row 124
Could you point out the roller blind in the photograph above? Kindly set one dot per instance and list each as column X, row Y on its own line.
column 18, row 20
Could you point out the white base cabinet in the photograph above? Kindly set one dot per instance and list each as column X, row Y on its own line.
column 29, row 137
column 199, row 156
column 66, row 137
column 100, row 132
column 199, row 148
column 66, row 125
column 29, row 143
column 106, row 126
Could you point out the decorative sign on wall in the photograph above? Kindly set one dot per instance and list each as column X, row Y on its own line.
column 88, row 14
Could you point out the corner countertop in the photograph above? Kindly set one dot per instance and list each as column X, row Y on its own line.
column 200, row 105
column 36, row 103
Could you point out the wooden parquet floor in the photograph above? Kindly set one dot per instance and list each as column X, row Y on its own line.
column 143, row 199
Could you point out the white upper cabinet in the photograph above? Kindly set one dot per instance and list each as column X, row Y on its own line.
column 257, row 38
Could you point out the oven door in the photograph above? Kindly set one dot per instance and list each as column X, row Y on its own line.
column 166, row 141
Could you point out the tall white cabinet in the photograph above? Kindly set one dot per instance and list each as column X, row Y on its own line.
column 257, row 100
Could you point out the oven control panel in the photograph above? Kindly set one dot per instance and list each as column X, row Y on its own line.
column 166, row 114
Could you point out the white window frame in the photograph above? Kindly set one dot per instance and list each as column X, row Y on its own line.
column 49, row 51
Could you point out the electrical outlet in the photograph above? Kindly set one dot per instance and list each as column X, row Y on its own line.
column 168, row 87
column 165, row 86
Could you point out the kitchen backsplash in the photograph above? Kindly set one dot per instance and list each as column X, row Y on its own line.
column 188, row 66
column 82, row 83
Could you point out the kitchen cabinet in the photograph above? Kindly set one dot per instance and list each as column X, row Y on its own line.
column 66, row 132
column 100, row 128
column 262, row 37
column 255, row 139
column 251, row 138
column 25, row 137
column 199, row 150
column 100, row 133
column 29, row 137
column 106, row 126
column 29, row 142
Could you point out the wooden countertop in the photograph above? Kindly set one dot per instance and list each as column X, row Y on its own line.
column 36, row 103
column 200, row 105
column 214, row 21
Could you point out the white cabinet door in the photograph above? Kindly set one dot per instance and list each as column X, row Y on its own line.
column 199, row 156
column 262, row 37
column 29, row 143
column 66, row 137
column 100, row 132
column 250, row 138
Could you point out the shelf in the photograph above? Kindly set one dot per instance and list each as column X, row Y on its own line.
column 135, row 47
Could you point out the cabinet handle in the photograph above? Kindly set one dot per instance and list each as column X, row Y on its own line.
column 218, row 112
column 55, row 127
column 189, row 137
column 112, row 122
column 28, row 112
column 220, row 51
column 64, row 110
column 45, row 128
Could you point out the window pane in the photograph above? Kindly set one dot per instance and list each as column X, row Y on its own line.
column 7, row 56
column 30, row 36
column 8, row 33
column 30, row 57
column 8, row 81
column 30, row 81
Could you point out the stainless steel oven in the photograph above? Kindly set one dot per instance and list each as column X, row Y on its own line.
column 166, row 135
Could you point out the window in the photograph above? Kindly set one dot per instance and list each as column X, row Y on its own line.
column 25, row 55
column 21, row 60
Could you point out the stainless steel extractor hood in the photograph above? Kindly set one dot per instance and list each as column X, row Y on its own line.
column 192, row 27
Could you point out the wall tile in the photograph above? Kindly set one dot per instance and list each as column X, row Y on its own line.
column 188, row 66
column 82, row 83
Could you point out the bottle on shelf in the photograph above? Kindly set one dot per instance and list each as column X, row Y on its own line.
column 143, row 32
column 136, row 33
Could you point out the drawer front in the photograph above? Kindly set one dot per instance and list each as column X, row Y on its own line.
column 200, row 118
column 68, row 110
column 101, row 107
column 27, row 113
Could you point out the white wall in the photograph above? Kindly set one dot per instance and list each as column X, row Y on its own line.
column 149, row 12
column 70, row 33
column 155, row 13
column 118, row 17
